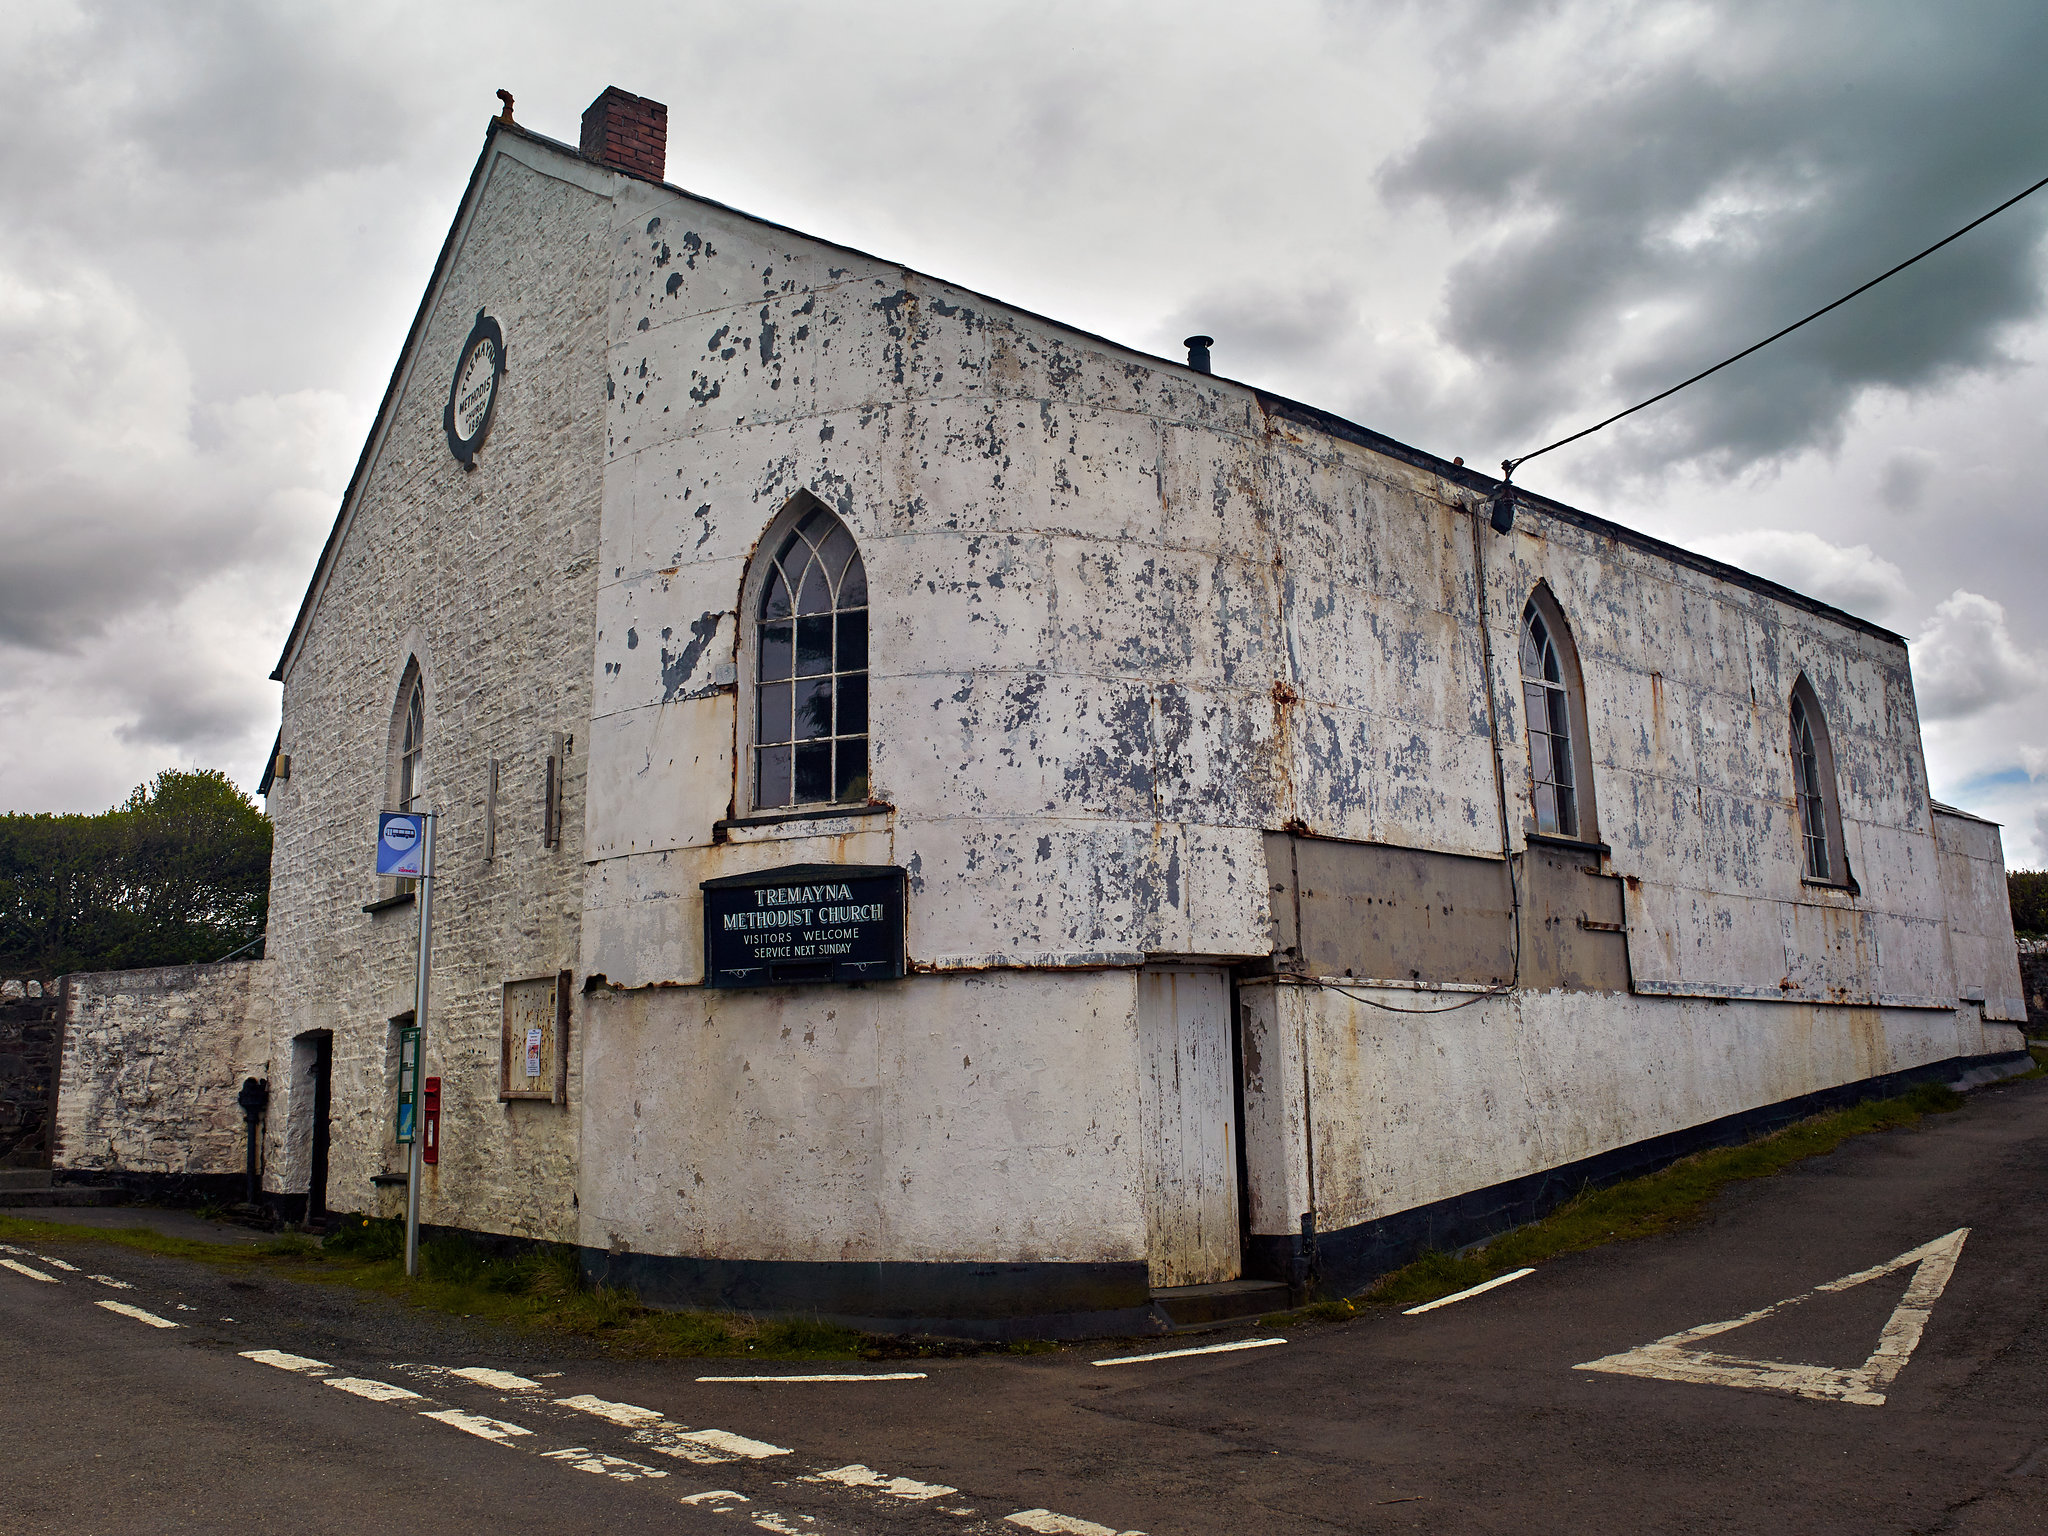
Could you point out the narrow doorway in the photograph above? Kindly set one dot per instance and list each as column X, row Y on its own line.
column 1188, row 1126
column 307, row 1129
column 323, row 1076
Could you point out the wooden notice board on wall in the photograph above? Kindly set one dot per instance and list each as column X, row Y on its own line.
column 534, row 1051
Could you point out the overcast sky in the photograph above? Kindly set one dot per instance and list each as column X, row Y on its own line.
column 1475, row 226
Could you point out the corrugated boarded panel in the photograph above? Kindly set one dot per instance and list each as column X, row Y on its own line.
column 1187, row 1120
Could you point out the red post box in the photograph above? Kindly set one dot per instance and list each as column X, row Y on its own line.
column 430, row 1120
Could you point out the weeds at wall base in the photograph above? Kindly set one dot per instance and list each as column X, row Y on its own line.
column 540, row 1289
column 1642, row 1207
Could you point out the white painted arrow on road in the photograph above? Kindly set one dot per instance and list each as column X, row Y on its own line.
column 1673, row 1359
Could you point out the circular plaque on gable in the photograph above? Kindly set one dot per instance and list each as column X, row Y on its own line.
column 473, row 396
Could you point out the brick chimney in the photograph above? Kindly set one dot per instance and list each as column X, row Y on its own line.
column 627, row 132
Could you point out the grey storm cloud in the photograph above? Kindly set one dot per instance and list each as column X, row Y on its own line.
column 1698, row 179
column 1903, row 480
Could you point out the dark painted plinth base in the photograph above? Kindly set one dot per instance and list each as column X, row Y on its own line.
column 974, row 1301
column 1344, row 1262
column 174, row 1189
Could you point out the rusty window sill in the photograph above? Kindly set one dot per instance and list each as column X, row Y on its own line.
column 1552, row 840
column 719, row 829
column 1839, row 887
column 403, row 899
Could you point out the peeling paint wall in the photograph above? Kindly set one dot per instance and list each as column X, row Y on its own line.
column 487, row 578
column 1127, row 617
column 151, row 1063
column 937, row 1119
column 1987, row 962
column 1404, row 1110
column 1127, row 621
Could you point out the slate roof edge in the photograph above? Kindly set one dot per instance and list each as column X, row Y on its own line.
column 1961, row 814
column 1487, row 485
column 1328, row 422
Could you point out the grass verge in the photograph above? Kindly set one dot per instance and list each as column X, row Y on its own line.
column 539, row 1289
column 1641, row 1207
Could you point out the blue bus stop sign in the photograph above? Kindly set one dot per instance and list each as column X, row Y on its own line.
column 401, row 844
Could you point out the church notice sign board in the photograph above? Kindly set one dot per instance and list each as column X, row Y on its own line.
column 804, row 922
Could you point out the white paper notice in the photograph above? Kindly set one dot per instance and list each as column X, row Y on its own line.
column 533, row 1053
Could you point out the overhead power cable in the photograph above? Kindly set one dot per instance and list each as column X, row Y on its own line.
column 1509, row 466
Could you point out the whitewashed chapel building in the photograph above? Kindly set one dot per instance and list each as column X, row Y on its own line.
column 946, row 821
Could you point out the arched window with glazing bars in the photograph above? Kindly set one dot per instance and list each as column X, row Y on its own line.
column 407, row 770
column 1813, row 788
column 810, row 726
column 1549, row 680
column 412, row 750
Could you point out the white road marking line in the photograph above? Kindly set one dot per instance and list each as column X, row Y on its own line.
column 122, row 1285
column 1671, row 1359
column 858, row 1476
column 1486, row 1285
column 1047, row 1523
column 604, row 1465
column 34, row 1274
column 375, row 1391
column 629, row 1414
column 707, row 1447
column 69, row 1269
column 137, row 1313
column 475, row 1424
column 733, row 1446
column 653, row 1428
column 1180, row 1354
column 504, row 1381
column 870, row 1376
column 283, row 1361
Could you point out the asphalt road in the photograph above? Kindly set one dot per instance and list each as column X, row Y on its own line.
column 1469, row 1418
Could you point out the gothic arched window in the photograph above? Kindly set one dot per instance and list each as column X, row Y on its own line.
column 406, row 781
column 810, row 724
column 1813, row 787
column 1554, row 707
column 412, row 748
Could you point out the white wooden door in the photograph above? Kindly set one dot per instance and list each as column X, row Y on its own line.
column 1187, row 1119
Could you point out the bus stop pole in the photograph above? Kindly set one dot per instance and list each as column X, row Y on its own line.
column 419, row 1019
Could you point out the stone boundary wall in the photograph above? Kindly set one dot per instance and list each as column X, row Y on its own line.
column 30, row 1028
column 2034, row 984
column 151, row 1063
